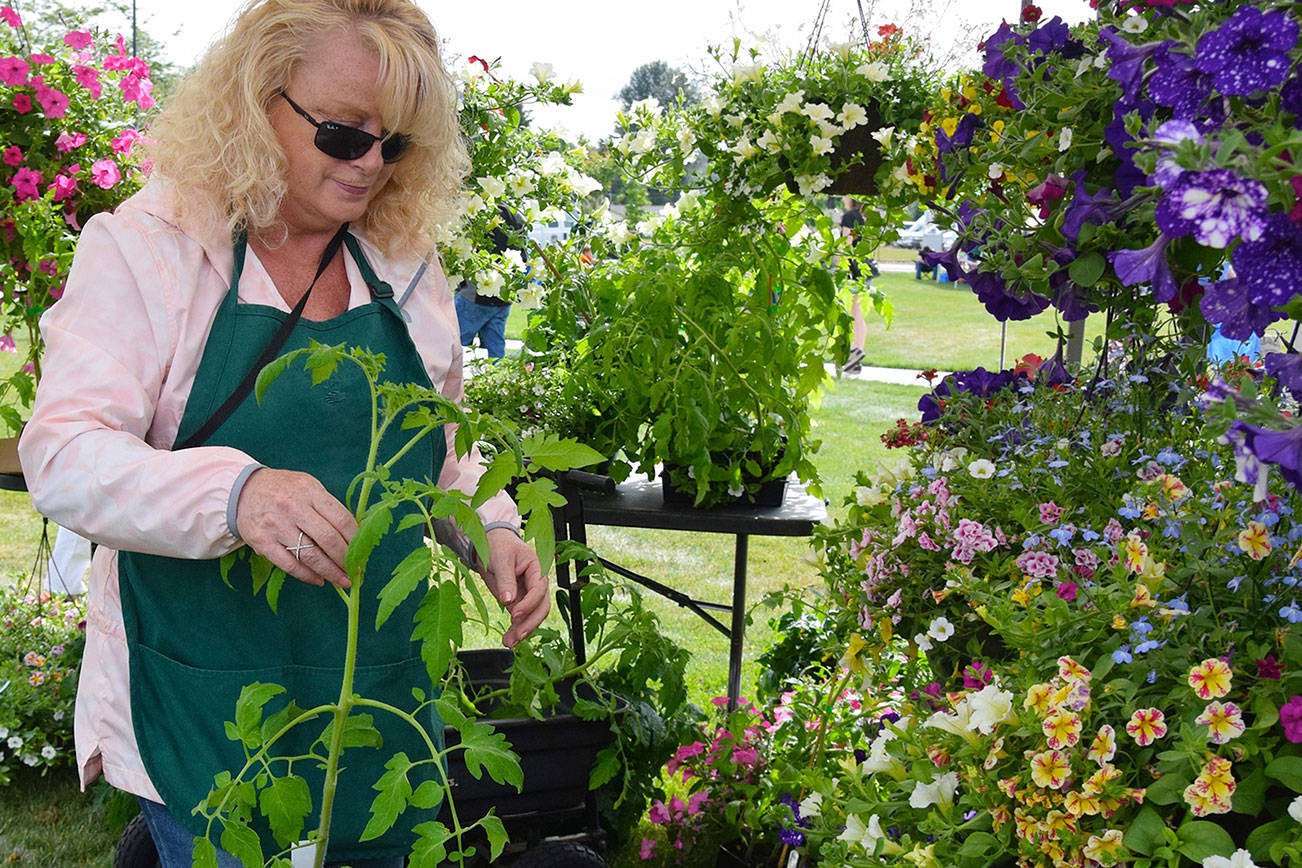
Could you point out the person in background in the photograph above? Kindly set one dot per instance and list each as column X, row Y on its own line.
column 851, row 220
column 485, row 316
column 920, row 266
column 300, row 171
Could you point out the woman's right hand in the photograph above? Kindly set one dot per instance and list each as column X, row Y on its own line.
column 279, row 510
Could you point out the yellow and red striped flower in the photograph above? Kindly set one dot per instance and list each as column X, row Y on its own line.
column 1210, row 679
column 1146, row 725
column 1255, row 540
column 1062, row 728
column 1104, row 746
column 1050, row 769
column 1224, row 721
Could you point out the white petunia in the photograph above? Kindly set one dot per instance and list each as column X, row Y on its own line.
column 15, row 742
column 745, row 149
column 923, row 643
column 990, row 706
column 493, row 187
column 4, row 731
column 883, row 136
column 620, row 233
column 543, row 72
column 1240, row 859
column 852, row 115
column 515, row 259
column 553, row 163
column 817, row 111
column 583, row 184
column 713, row 105
column 651, row 105
column 869, row 495
column 792, row 102
column 491, row 282
column 810, row 184
column 644, row 141
column 940, row 629
column 742, row 73
column 995, row 171
column 842, row 50
column 686, row 141
column 768, row 141
column 874, row 71
column 530, row 297
column 521, row 183
column 982, row 468
column 574, row 86
column 1064, row 139
column 1295, row 809
column 1134, row 24
column 865, row 835
column 48, row 752
column 939, row 792
column 30, row 759
column 820, row 145
column 828, row 130
column 811, row 804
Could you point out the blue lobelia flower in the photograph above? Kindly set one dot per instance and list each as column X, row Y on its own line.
column 1179, row 84
column 1249, row 51
column 1126, row 62
column 1148, row 266
column 1239, row 316
column 1291, row 613
column 1122, row 655
column 1216, row 206
column 1270, row 268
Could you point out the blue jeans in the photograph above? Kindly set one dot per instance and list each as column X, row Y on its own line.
column 176, row 845
column 486, row 320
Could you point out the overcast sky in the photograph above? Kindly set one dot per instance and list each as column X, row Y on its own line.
column 600, row 42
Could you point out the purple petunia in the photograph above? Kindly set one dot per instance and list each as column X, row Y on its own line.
column 1149, row 266
column 1249, row 51
column 1126, row 62
column 1066, row 294
column 1290, row 97
column 1216, row 206
column 1052, row 35
column 1225, row 303
column 998, row 65
column 1085, row 208
column 1287, row 369
column 1269, row 269
column 1003, row 304
column 964, row 131
column 1179, row 84
column 1281, row 448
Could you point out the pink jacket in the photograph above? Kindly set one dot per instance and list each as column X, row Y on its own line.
column 122, row 349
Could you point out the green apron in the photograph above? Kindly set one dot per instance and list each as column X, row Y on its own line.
column 195, row 641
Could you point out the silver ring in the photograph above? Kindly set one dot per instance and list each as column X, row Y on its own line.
column 300, row 548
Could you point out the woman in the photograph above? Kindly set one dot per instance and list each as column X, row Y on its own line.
column 308, row 116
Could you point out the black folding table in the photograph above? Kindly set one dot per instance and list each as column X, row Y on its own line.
column 638, row 502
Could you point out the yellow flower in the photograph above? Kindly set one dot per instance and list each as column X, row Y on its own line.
column 1070, row 670
column 1224, row 721
column 1021, row 597
column 1082, row 804
column 1106, row 849
column 1135, row 550
column 1050, row 769
column 1037, row 697
column 1104, row 746
column 1151, row 511
column 1118, row 622
column 1255, row 540
column 1143, row 598
column 1146, row 725
column 1210, row 679
column 1062, row 728
column 1172, row 487
column 923, row 857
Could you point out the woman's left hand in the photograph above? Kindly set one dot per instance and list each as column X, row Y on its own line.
column 515, row 578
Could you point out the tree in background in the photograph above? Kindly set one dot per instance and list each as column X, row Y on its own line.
column 659, row 80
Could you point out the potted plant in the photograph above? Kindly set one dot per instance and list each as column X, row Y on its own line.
column 69, row 118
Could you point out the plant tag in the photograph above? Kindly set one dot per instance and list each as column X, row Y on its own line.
column 303, row 855
column 792, row 861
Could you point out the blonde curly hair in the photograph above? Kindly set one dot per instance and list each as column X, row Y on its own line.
column 215, row 146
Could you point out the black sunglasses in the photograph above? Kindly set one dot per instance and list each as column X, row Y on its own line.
column 349, row 143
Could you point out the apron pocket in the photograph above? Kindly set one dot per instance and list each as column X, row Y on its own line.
column 180, row 714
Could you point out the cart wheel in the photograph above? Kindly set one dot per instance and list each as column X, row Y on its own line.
column 135, row 847
column 560, row 854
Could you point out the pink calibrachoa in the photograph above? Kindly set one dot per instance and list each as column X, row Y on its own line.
column 1050, row 769
column 1224, row 721
column 1254, row 540
column 1210, row 679
column 1146, row 725
column 1050, row 512
column 1038, row 565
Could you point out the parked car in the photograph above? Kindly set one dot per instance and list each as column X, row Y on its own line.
column 925, row 232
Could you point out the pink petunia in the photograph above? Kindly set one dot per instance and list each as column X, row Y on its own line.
column 658, row 814
column 137, row 90
column 13, row 71
column 64, row 187
column 13, row 156
column 123, row 141
column 748, row 757
column 41, row 59
column 88, row 77
column 52, row 100
column 27, row 184
column 68, row 142
column 647, row 850
column 105, row 174
column 1067, row 591
column 77, row 39
column 7, row 344
column 22, row 103
column 10, row 17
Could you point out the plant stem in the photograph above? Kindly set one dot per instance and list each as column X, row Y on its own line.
column 342, row 709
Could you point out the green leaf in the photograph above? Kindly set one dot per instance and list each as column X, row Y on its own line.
column 496, row 833
column 1250, row 794
column 1288, row 771
column 589, row 710
column 276, row 722
column 260, row 569
column 273, row 369
column 1167, row 789
column 438, row 627
column 1200, row 839
column 204, row 854
column 322, row 362
column 370, row 530
column 229, row 560
column 486, row 748
column 541, row 531
column 393, row 792
column 605, row 768
column 978, row 844
column 430, row 850
column 553, row 453
column 1086, row 270
column 286, row 804
column 1264, row 837
column 359, row 731
column 1146, row 831
column 248, row 711
column 275, row 582
column 413, row 571
column 428, row 795
column 502, row 470
column 242, row 843
column 1265, row 713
